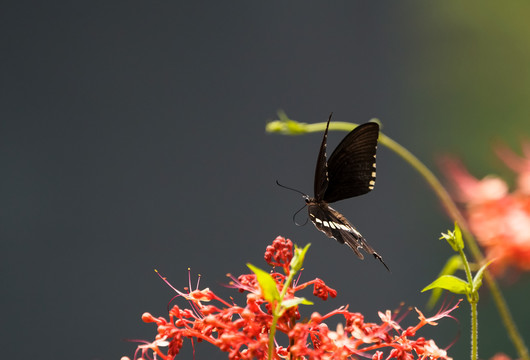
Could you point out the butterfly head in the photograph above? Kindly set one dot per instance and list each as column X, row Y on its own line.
column 309, row 200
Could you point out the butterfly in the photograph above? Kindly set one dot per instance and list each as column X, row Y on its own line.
column 349, row 172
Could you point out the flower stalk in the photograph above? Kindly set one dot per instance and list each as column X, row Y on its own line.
column 474, row 330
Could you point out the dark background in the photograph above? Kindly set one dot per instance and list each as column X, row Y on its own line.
column 132, row 137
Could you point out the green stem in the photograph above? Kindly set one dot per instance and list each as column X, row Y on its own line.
column 474, row 331
column 473, row 301
column 287, row 126
column 275, row 318
column 278, row 311
column 466, row 266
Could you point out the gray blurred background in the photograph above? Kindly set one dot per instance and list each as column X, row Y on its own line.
column 132, row 137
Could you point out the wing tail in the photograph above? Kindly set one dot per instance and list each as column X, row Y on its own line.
column 357, row 242
column 336, row 226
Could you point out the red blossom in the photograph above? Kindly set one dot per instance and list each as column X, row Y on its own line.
column 280, row 253
column 499, row 219
column 243, row 332
column 322, row 291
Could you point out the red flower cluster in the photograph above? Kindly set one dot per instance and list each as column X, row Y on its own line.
column 500, row 220
column 243, row 332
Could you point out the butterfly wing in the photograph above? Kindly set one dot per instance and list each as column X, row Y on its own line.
column 335, row 225
column 351, row 167
column 321, row 171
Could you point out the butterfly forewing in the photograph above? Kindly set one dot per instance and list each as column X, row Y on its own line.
column 351, row 167
column 321, row 171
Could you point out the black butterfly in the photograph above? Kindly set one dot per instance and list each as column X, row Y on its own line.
column 349, row 172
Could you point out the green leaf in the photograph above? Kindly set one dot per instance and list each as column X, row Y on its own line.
column 266, row 283
column 298, row 259
column 296, row 301
column 477, row 280
column 450, row 283
column 451, row 266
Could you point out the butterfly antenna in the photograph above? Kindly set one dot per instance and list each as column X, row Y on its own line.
column 294, row 217
column 288, row 188
column 296, row 213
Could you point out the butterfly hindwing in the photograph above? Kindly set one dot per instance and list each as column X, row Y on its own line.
column 351, row 167
column 335, row 225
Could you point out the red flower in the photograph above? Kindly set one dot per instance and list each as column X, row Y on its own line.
column 243, row 332
column 280, row 253
column 500, row 220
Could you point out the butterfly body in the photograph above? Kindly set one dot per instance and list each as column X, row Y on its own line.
column 350, row 171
